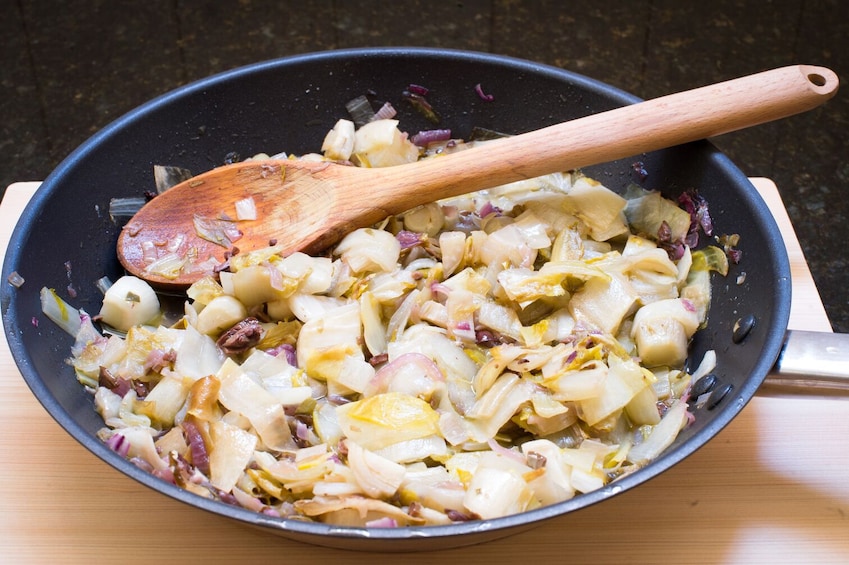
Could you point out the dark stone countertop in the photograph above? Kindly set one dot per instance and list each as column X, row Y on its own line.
column 69, row 71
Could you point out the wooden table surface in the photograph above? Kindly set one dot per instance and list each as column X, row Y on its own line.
column 773, row 487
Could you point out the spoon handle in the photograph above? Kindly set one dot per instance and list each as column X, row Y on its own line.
column 311, row 205
column 646, row 126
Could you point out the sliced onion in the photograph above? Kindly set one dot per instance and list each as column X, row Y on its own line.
column 119, row 444
column 174, row 244
column 398, row 321
column 662, row 435
column 215, row 230
column 246, row 209
column 167, row 266
column 15, row 279
column 409, row 239
column 385, row 522
column 275, row 277
column 405, row 367
column 509, row 453
column 418, row 89
column 200, row 455
column 707, row 365
column 483, row 96
column 426, row 137
column 149, row 251
column 248, row 501
column 60, row 312
column 377, row 476
column 385, row 112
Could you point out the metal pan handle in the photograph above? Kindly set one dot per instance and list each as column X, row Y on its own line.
column 811, row 363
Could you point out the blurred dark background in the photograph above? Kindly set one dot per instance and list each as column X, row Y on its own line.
column 70, row 68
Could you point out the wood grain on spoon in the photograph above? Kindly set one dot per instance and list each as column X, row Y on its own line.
column 308, row 206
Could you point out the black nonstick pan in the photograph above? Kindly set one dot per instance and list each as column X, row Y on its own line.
column 66, row 236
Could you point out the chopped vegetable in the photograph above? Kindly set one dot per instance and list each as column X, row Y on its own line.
column 129, row 302
column 166, row 176
column 483, row 96
column 421, row 105
column 463, row 360
column 59, row 311
column 339, row 142
column 125, row 208
column 380, row 144
column 647, row 213
column 426, row 137
column 246, row 209
column 216, row 230
column 360, row 110
column 15, row 279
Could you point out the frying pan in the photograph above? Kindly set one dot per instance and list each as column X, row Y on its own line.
column 66, row 237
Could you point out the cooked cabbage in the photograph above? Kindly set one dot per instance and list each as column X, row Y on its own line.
column 468, row 359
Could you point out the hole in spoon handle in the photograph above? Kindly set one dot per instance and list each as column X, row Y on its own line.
column 817, row 79
column 822, row 80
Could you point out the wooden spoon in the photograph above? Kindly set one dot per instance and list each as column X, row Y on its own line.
column 308, row 206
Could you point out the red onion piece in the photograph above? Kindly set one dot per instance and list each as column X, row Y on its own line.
column 428, row 136
column 119, row 444
column 301, row 430
column 200, row 455
column 159, row 358
column 440, row 290
column 288, row 351
column 385, row 522
column 166, row 475
column 408, row 239
column 482, row 95
column 418, row 89
column 488, row 209
column 385, row 112
column 509, row 453
column 275, row 277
